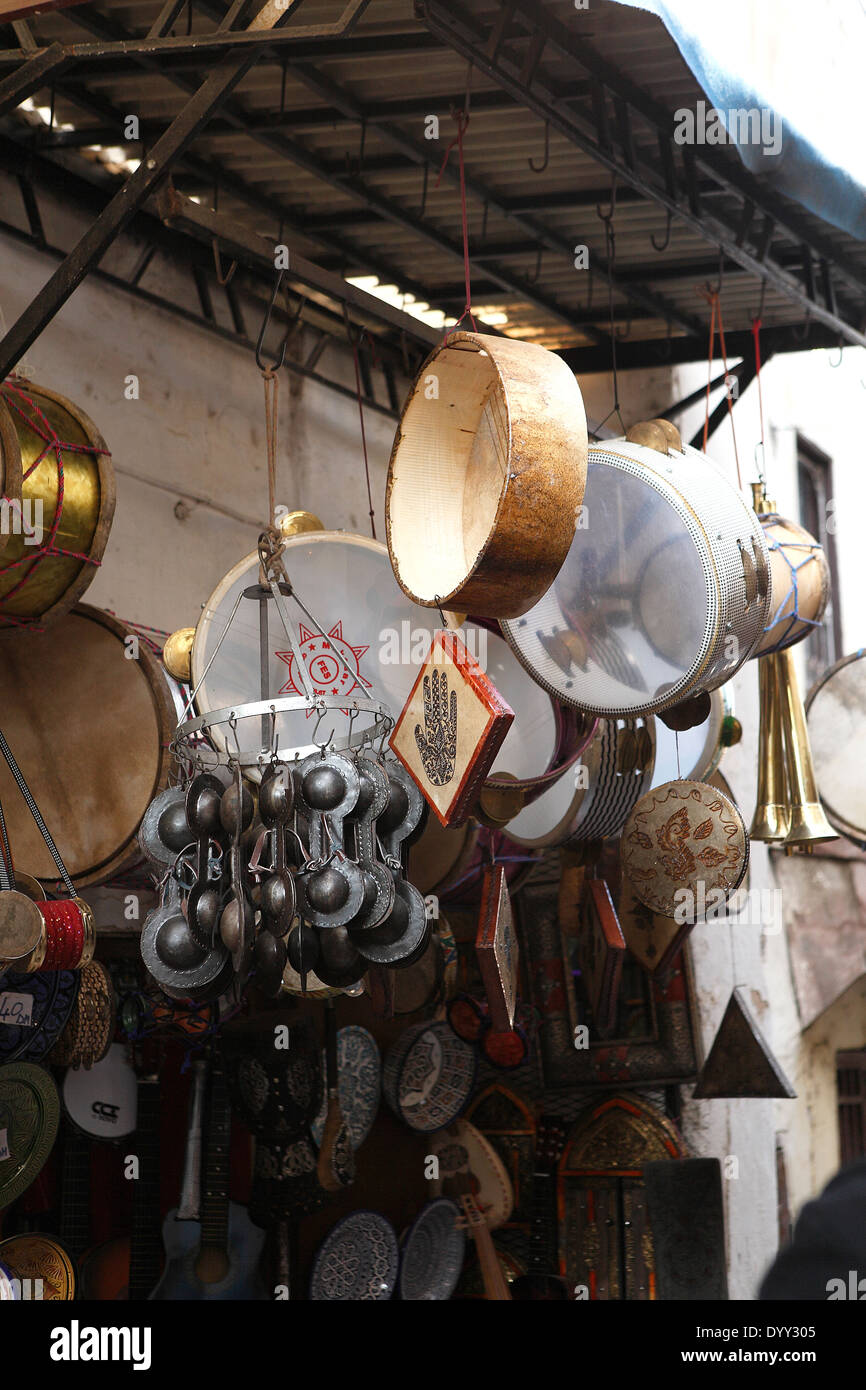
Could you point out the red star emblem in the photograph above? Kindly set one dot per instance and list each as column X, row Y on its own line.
column 321, row 657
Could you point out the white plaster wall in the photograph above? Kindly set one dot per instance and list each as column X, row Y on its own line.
column 197, row 430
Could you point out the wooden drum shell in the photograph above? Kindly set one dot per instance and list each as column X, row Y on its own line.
column 787, row 539
column 56, row 582
column 90, row 730
column 509, row 558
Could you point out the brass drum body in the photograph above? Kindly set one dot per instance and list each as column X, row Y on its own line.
column 90, row 728
column 52, row 583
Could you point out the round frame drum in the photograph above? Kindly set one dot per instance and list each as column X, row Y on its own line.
column 90, row 727
column 486, row 476
column 836, row 722
column 573, row 812
column 799, row 584
column 347, row 584
column 46, row 585
column 669, row 565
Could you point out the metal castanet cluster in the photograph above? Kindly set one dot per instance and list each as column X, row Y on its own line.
column 307, row 867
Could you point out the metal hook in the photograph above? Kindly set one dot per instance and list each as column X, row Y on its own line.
column 322, row 747
column 423, row 206
column 608, row 216
column 834, row 365
column 532, row 280
column 540, row 168
column 260, row 363
column 233, row 725
column 221, row 279
column 801, row 334
column 667, row 241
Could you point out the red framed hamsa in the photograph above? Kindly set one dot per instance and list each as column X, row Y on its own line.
column 451, row 728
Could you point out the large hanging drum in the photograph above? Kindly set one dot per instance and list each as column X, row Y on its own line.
column 90, row 725
column 799, row 584
column 58, row 483
column 836, row 722
column 371, row 644
column 665, row 591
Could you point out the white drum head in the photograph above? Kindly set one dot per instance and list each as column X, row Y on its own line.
column 836, row 719
column 347, row 584
column 103, row 1100
column 628, row 616
column 700, row 748
column 530, row 745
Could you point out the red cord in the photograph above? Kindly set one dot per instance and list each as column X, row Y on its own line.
column 462, row 119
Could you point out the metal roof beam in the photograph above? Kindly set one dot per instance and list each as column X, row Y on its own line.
column 633, row 354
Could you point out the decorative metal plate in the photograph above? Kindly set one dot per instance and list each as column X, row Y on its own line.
column 432, row 1253
column 428, row 1076
column 37, row 1257
column 359, row 1068
column 29, row 1116
column 54, row 993
column 358, row 1261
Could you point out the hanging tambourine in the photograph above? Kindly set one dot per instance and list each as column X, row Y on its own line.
column 685, row 849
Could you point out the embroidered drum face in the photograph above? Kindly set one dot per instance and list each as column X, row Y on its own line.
column 664, row 593
column 685, row 849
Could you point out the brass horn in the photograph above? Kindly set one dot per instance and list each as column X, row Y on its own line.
column 772, row 818
column 809, row 825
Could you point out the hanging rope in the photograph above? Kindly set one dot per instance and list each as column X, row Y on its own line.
column 756, row 335
column 712, row 298
column 363, row 437
column 610, row 252
column 462, row 119
column 270, row 382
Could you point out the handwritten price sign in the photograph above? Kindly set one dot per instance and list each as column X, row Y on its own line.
column 16, row 1010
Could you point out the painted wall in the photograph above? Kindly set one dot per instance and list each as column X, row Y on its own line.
column 197, row 431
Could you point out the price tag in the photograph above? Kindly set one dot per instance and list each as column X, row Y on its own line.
column 16, row 1010
column 4, row 1145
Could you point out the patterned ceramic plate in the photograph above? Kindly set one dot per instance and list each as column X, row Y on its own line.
column 29, row 1116
column 433, row 1253
column 360, row 1085
column 358, row 1261
column 33, row 1257
column 47, row 999
column 428, row 1076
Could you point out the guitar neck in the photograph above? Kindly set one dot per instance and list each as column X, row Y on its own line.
column 542, row 1256
column 496, row 1288
column 215, row 1197
column 75, row 1198
column 145, row 1259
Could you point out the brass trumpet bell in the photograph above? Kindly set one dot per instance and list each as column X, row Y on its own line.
column 788, row 810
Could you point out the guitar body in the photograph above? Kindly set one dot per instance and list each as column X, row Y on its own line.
column 240, row 1281
column 103, row 1273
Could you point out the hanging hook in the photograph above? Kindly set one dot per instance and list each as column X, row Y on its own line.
column 262, row 365
column 423, row 206
column 839, row 350
column 607, row 217
column 322, row 747
column 801, row 334
column 663, row 246
column 540, row 168
column 221, row 279
column 532, row 280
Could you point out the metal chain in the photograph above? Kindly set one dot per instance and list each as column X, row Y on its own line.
column 36, row 814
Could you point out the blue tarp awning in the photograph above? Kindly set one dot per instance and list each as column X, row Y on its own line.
column 803, row 64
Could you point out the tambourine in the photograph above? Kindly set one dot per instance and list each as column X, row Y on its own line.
column 594, row 799
column 685, row 849
column 665, row 591
column 486, row 476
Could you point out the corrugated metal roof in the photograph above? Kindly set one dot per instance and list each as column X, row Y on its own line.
column 293, row 152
